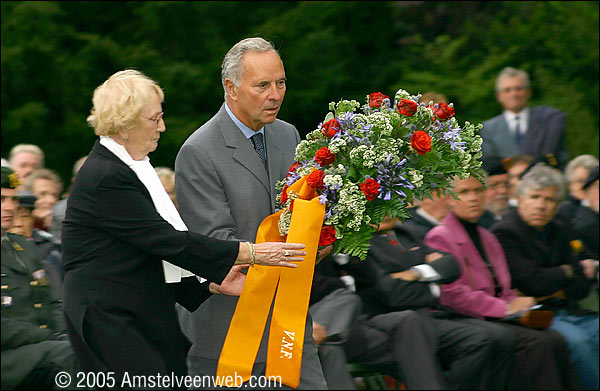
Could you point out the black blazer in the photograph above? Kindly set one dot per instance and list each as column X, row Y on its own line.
column 387, row 255
column 534, row 260
column 120, row 313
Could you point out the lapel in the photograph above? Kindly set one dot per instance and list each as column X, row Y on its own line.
column 105, row 153
column 12, row 250
column 274, row 159
column 243, row 151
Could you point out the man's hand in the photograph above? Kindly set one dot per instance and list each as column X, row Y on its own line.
column 589, row 268
column 319, row 333
column 232, row 284
column 323, row 253
column 520, row 304
column 432, row 257
column 407, row 275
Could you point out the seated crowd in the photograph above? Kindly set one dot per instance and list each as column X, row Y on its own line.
column 492, row 287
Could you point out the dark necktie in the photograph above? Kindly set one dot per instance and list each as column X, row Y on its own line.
column 259, row 146
column 518, row 131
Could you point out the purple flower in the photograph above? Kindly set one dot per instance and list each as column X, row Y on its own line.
column 391, row 179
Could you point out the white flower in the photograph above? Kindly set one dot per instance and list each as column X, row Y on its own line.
column 336, row 145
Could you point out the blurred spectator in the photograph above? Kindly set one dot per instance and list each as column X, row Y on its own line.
column 427, row 215
column 519, row 129
column 431, row 96
column 576, row 173
column 515, row 166
column 47, row 186
column 496, row 192
column 585, row 221
column 25, row 159
column 35, row 347
column 542, row 264
column 483, row 291
column 49, row 252
column 167, row 178
column 5, row 163
column 59, row 209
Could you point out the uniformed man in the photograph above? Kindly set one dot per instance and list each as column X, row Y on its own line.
column 35, row 347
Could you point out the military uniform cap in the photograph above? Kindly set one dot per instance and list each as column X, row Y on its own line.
column 26, row 199
column 548, row 159
column 10, row 180
column 493, row 165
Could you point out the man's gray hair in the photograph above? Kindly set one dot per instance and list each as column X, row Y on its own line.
column 512, row 72
column 540, row 177
column 232, row 62
column 586, row 161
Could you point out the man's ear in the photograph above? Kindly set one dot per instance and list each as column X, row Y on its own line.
column 231, row 89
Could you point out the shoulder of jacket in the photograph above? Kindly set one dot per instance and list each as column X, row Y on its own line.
column 547, row 110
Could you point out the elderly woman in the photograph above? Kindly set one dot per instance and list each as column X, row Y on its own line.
column 576, row 173
column 128, row 256
column 542, row 264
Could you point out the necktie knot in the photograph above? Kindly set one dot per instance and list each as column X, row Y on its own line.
column 259, row 145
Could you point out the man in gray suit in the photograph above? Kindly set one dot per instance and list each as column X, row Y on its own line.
column 518, row 130
column 225, row 176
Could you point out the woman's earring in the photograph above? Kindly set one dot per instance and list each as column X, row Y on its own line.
column 125, row 137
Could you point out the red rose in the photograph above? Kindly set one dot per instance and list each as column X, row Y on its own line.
column 331, row 127
column 421, row 142
column 315, row 179
column 294, row 167
column 370, row 188
column 376, row 99
column 407, row 107
column 442, row 111
column 327, row 235
column 284, row 197
column 324, row 157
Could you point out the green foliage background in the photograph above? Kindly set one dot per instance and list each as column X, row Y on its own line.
column 55, row 53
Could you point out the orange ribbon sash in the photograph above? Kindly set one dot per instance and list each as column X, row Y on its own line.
column 291, row 288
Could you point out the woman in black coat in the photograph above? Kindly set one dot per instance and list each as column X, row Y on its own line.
column 120, row 228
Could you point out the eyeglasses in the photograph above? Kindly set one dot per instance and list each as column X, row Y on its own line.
column 516, row 88
column 156, row 119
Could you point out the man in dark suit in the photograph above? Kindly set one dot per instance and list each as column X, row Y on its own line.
column 225, row 177
column 519, row 129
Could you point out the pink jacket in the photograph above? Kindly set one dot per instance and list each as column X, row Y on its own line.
column 473, row 293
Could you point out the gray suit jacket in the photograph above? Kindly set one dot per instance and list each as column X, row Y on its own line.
column 224, row 191
column 545, row 134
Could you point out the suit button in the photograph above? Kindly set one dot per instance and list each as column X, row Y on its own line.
column 33, row 283
column 43, row 326
column 37, row 305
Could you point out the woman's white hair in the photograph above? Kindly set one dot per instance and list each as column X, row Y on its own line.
column 119, row 101
column 232, row 62
column 540, row 177
column 586, row 161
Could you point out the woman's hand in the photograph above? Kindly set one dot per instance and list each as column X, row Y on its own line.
column 271, row 253
column 232, row 284
column 279, row 254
